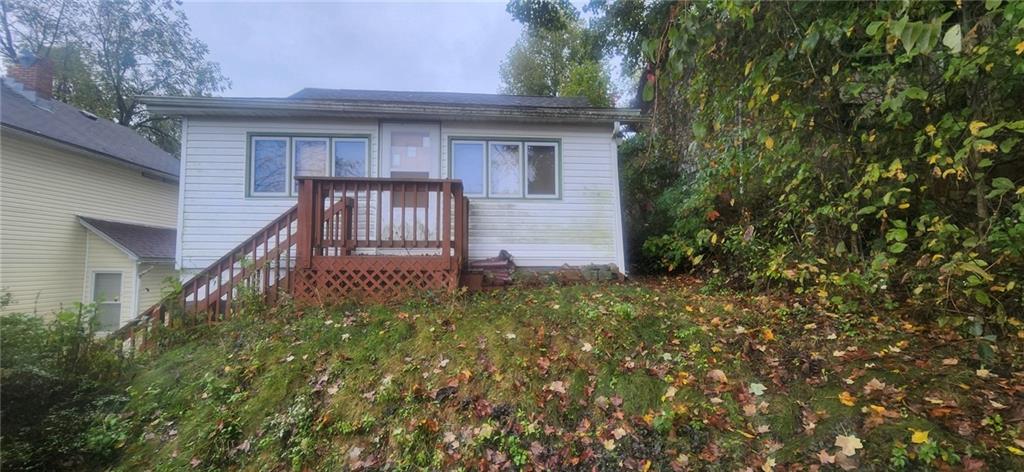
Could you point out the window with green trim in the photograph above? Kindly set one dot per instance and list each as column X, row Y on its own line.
column 276, row 160
column 507, row 168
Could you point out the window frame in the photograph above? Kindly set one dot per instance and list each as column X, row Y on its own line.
column 522, row 169
column 522, row 142
column 484, row 165
column 251, row 167
column 120, row 297
column 557, row 169
column 332, row 162
column 291, row 192
column 328, row 165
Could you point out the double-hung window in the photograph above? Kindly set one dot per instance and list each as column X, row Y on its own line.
column 274, row 161
column 506, row 168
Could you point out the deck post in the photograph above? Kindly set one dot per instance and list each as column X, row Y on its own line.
column 446, row 220
column 304, row 230
column 459, row 230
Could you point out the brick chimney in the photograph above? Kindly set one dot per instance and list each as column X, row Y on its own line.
column 35, row 73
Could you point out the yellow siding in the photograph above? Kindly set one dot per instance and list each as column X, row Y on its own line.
column 152, row 282
column 102, row 256
column 42, row 245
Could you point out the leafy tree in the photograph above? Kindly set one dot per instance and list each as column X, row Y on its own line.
column 109, row 51
column 588, row 80
column 867, row 153
column 549, row 15
column 552, row 58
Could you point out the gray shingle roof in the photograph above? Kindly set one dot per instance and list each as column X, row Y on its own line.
column 143, row 242
column 69, row 125
column 441, row 98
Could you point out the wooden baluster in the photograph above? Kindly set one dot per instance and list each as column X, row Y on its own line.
column 277, row 259
column 288, row 254
column 231, row 283
column 459, row 210
column 266, row 261
column 380, row 210
column 368, row 209
column 391, row 214
column 415, row 210
column 437, row 212
column 446, row 243
column 218, row 272
column 405, row 202
column 304, row 231
column 206, row 305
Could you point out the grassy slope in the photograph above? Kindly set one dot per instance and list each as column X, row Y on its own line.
column 572, row 376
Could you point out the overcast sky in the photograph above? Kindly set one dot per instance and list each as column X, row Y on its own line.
column 273, row 49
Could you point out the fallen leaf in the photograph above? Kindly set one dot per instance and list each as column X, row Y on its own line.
column 718, row 376
column 873, row 385
column 848, row 444
column 825, row 458
column 557, row 386
column 587, row 347
column 757, row 389
column 950, row 361
column 919, row 437
column 846, row 399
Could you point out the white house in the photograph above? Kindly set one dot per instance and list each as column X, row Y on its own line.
column 540, row 173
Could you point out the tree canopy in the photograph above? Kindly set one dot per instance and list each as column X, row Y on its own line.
column 106, row 52
column 556, row 55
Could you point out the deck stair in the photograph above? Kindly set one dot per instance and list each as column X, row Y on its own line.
column 365, row 238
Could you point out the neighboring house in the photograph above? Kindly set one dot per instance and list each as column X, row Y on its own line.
column 541, row 173
column 87, row 207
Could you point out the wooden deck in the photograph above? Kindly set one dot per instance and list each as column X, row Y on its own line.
column 346, row 238
column 378, row 238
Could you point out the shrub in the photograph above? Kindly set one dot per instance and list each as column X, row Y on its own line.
column 60, row 384
column 866, row 153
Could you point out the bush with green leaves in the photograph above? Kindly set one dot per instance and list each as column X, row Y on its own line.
column 62, row 387
column 867, row 153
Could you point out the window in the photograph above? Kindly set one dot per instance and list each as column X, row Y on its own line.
column 310, row 158
column 270, row 166
column 274, row 161
column 541, row 170
column 350, row 157
column 506, row 169
column 468, row 166
column 106, row 293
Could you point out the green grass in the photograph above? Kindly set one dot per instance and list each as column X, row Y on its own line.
column 448, row 384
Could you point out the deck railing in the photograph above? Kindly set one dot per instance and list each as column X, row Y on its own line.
column 374, row 216
column 336, row 219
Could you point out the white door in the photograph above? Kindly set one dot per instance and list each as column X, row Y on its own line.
column 106, row 293
column 411, row 150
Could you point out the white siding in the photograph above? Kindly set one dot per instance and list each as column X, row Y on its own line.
column 216, row 214
column 581, row 227
column 42, row 244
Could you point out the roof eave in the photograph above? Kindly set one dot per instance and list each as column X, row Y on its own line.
column 207, row 106
column 71, row 147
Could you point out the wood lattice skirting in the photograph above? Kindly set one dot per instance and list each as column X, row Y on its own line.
column 379, row 278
